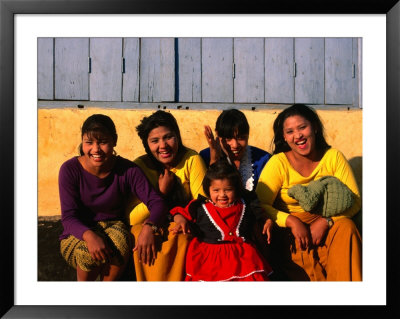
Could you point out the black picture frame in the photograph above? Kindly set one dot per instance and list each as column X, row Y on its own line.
column 8, row 10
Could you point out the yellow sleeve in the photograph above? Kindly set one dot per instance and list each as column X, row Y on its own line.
column 139, row 214
column 344, row 173
column 191, row 174
column 197, row 172
column 268, row 187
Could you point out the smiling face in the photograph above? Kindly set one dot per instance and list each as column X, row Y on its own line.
column 222, row 192
column 163, row 144
column 97, row 151
column 237, row 145
column 299, row 135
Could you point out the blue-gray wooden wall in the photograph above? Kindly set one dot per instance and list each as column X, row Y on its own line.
column 321, row 71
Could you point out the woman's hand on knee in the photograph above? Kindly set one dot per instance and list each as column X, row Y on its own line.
column 145, row 245
column 318, row 229
column 97, row 247
column 299, row 231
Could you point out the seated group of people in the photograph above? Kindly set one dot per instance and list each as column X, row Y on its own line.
column 229, row 212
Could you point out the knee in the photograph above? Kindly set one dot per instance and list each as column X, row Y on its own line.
column 84, row 260
column 122, row 248
column 346, row 225
column 136, row 229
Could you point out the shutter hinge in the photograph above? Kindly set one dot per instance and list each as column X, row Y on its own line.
column 123, row 65
column 353, row 70
column 90, row 64
column 294, row 69
column 233, row 70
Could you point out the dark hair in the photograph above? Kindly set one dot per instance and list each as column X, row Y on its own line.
column 157, row 119
column 177, row 196
column 230, row 122
column 223, row 170
column 310, row 115
column 96, row 126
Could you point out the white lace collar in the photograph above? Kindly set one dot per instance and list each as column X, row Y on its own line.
column 246, row 169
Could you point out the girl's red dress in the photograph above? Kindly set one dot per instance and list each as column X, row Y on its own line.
column 231, row 259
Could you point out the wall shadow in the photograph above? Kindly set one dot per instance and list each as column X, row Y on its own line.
column 356, row 165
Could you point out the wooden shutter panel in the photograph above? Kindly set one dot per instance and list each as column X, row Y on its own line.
column 249, row 70
column 106, row 75
column 71, row 68
column 157, row 70
column 279, row 70
column 217, row 64
column 130, row 77
column 309, row 80
column 189, row 70
column 45, row 68
column 338, row 71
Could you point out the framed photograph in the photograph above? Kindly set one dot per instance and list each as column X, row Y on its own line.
column 22, row 23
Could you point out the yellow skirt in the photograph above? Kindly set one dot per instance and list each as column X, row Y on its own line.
column 337, row 259
column 171, row 253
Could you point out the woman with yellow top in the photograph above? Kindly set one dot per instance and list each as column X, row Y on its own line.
column 177, row 172
column 306, row 245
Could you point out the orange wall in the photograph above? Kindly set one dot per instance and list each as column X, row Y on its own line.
column 59, row 138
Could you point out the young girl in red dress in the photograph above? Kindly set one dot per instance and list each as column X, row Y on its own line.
column 222, row 225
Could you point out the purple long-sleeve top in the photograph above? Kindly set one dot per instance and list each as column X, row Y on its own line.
column 86, row 199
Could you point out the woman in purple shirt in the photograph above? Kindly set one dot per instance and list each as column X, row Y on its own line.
column 95, row 189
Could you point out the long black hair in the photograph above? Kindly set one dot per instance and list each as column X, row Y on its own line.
column 309, row 114
column 96, row 126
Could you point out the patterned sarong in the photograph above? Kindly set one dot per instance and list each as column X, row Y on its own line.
column 114, row 233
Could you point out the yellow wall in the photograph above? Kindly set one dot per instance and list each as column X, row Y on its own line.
column 59, row 138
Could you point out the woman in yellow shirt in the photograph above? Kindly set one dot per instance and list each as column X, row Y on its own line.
column 308, row 246
column 177, row 172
